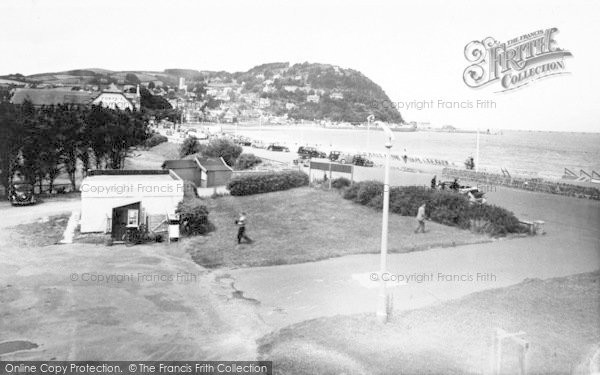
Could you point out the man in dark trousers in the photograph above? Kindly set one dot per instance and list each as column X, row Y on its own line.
column 241, row 223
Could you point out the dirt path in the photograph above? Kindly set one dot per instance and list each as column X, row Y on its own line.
column 82, row 301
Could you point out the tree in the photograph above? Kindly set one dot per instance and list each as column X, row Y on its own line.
column 151, row 85
column 132, row 79
column 224, row 148
column 190, row 146
column 10, row 143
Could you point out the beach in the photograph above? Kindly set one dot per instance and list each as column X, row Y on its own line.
column 522, row 153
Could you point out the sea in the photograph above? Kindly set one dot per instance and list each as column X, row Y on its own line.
column 531, row 153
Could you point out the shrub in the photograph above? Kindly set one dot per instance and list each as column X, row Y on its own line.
column 444, row 207
column 223, row 148
column 258, row 183
column 189, row 146
column 194, row 217
column 247, row 161
column 368, row 190
column 154, row 140
column 340, row 183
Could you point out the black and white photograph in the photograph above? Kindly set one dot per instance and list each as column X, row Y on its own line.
column 319, row 187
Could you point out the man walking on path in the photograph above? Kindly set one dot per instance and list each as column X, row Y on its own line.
column 421, row 219
column 241, row 223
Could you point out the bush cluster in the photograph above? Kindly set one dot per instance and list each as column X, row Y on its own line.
column 257, row 183
column 340, row 183
column 154, row 140
column 194, row 217
column 444, row 207
column 247, row 161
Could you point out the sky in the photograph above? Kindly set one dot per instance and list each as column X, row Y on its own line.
column 413, row 49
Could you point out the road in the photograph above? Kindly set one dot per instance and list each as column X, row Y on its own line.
column 343, row 285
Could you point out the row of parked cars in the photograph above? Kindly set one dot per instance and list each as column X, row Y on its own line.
column 307, row 153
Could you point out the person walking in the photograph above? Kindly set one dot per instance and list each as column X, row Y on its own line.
column 241, row 223
column 421, row 219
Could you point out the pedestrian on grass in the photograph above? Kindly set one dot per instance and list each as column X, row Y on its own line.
column 421, row 219
column 241, row 223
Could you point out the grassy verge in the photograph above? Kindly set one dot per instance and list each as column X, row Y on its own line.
column 153, row 157
column 304, row 225
column 43, row 233
column 559, row 316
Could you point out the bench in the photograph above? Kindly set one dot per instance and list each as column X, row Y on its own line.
column 534, row 227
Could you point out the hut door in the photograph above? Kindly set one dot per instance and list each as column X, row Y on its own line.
column 123, row 216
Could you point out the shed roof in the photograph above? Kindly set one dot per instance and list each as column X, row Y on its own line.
column 180, row 164
column 213, row 164
column 205, row 163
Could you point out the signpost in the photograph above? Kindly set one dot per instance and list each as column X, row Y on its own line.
column 330, row 167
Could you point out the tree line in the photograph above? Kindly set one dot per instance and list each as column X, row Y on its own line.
column 39, row 143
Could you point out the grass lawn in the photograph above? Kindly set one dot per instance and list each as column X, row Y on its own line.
column 559, row 316
column 304, row 225
column 152, row 158
column 44, row 232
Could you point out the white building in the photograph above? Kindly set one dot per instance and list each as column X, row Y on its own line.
column 111, row 200
column 114, row 98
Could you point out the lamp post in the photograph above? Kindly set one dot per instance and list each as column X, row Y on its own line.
column 382, row 306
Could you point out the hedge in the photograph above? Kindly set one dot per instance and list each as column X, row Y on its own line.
column 257, row 183
column 154, row 140
column 444, row 207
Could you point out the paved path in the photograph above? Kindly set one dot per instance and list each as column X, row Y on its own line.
column 293, row 293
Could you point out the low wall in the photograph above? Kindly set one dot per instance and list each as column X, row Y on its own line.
column 531, row 184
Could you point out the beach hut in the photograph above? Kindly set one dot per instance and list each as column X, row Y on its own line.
column 188, row 169
column 205, row 172
column 112, row 200
column 215, row 172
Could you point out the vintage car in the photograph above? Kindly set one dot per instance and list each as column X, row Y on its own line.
column 280, row 148
column 312, row 152
column 21, row 194
column 362, row 161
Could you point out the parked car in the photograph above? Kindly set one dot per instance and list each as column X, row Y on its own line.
column 280, row 148
column 362, row 161
column 334, row 155
column 312, row 152
column 474, row 194
column 258, row 144
column 21, row 194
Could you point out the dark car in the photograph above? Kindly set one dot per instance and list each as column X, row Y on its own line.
column 312, row 152
column 334, row 155
column 278, row 148
column 362, row 161
column 21, row 194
